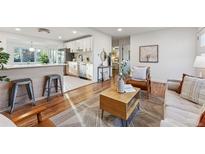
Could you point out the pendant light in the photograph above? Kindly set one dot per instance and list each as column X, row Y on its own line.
column 31, row 48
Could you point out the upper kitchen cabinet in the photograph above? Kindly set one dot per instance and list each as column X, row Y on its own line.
column 87, row 45
column 71, row 46
column 80, row 45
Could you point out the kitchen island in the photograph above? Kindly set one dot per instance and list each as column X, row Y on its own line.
column 36, row 72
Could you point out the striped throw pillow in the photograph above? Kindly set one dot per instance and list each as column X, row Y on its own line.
column 193, row 89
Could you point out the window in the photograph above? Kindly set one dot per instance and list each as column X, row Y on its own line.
column 28, row 56
column 38, row 54
column 23, row 55
column 17, row 55
column 202, row 40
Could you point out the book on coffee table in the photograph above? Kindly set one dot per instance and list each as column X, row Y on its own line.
column 129, row 88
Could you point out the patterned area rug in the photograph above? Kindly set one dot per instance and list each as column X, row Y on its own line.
column 88, row 114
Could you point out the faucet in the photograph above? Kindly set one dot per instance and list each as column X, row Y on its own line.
column 81, row 57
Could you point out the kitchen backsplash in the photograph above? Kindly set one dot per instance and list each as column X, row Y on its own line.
column 86, row 57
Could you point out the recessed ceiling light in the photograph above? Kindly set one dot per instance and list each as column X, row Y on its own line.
column 59, row 37
column 119, row 29
column 18, row 29
column 74, row 32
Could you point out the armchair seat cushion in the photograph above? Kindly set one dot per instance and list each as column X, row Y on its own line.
column 142, row 84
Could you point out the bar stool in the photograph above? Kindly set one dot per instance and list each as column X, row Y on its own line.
column 56, row 78
column 21, row 82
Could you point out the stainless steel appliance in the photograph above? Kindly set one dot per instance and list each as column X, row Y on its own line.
column 82, row 70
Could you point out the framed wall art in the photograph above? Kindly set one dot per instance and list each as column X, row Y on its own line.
column 149, row 54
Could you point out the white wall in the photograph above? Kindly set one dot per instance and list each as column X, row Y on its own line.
column 200, row 50
column 100, row 42
column 177, row 50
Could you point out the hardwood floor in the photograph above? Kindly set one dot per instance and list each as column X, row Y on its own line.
column 58, row 104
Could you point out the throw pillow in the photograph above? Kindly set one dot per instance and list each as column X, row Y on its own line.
column 181, row 83
column 193, row 89
column 139, row 73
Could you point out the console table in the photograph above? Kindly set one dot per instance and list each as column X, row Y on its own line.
column 101, row 67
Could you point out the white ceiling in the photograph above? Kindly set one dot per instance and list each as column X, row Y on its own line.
column 66, row 32
column 126, row 31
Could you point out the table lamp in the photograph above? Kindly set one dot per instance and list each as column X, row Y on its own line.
column 200, row 63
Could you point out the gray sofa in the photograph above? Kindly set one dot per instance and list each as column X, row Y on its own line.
column 179, row 112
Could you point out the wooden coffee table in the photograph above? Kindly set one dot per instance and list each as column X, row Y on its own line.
column 119, row 105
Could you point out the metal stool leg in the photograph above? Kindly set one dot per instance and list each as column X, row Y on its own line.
column 49, row 89
column 11, row 96
column 32, row 93
column 29, row 91
column 45, row 86
column 61, row 86
column 56, row 84
column 14, row 93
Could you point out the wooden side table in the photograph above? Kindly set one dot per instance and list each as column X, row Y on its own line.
column 119, row 105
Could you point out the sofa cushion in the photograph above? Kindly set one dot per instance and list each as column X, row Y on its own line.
column 193, row 89
column 187, row 118
column 171, row 123
column 174, row 100
column 5, row 122
column 181, row 83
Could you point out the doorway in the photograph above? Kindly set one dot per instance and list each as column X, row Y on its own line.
column 120, row 51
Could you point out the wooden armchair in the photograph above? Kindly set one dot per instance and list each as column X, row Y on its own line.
column 142, row 84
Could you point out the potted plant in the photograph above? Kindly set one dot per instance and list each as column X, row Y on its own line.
column 123, row 73
column 44, row 58
column 4, row 58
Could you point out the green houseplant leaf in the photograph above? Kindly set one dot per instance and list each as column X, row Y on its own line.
column 44, row 58
column 4, row 58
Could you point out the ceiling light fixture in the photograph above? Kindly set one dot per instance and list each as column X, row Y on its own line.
column 74, row 32
column 18, row 29
column 59, row 37
column 119, row 29
column 44, row 30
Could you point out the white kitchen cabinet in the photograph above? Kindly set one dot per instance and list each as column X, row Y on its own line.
column 86, row 45
column 68, row 45
column 80, row 45
column 90, row 44
column 72, row 68
column 89, row 71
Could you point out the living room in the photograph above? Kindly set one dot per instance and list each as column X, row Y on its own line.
column 172, row 52
column 92, row 76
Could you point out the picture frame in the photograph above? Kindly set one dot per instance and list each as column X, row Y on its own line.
column 149, row 54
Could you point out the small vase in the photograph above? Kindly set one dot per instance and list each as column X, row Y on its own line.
column 121, row 84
